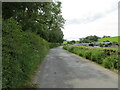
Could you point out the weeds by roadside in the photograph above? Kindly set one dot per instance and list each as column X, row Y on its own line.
column 102, row 57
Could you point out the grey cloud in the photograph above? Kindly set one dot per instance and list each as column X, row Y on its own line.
column 90, row 18
column 87, row 20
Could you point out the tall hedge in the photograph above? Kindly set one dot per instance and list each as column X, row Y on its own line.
column 22, row 52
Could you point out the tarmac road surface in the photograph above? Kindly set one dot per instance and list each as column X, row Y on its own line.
column 62, row 69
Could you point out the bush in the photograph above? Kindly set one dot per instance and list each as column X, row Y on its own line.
column 97, row 56
column 106, row 45
column 111, row 62
column 70, row 49
column 80, row 52
column 76, row 51
column 53, row 45
column 101, row 45
column 22, row 53
column 87, row 54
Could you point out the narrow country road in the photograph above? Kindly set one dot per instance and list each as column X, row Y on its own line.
column 62, row 69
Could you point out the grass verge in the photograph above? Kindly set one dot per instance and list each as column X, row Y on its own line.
column 100, row 56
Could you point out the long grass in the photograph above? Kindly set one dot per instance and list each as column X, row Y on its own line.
column 99, row 56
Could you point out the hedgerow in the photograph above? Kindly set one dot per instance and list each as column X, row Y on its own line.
column 22, row 52
column 111, row 62
column 97, row 55
column 52, row 45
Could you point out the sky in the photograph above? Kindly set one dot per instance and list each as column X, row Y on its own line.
column 89, row 17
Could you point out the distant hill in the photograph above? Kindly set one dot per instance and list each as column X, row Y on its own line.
column 110, row 39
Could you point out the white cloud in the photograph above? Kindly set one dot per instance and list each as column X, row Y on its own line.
column 89, row 17
column 107, row 25
column 84, row 8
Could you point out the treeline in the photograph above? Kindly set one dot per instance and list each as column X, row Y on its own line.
column 89, row 39
column 92, row 38
column 28, row 31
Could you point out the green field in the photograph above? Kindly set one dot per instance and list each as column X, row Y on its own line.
column 65, row 42
column 111, row 39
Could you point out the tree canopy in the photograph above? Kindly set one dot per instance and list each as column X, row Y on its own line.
column 89, row 39
column 43, row 18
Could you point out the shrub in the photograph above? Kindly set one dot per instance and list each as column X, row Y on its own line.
column 101, row 45
column 76, row 51
column 80, row 52
column 22, row 53
column 111, row 62
column 97, row 56
column 87, row 54
column 70, row 49
column 106, row 45
column 53, row 45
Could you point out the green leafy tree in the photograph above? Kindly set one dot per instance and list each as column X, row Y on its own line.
column 43, row 18
column 105, row 36
column 89, row 39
